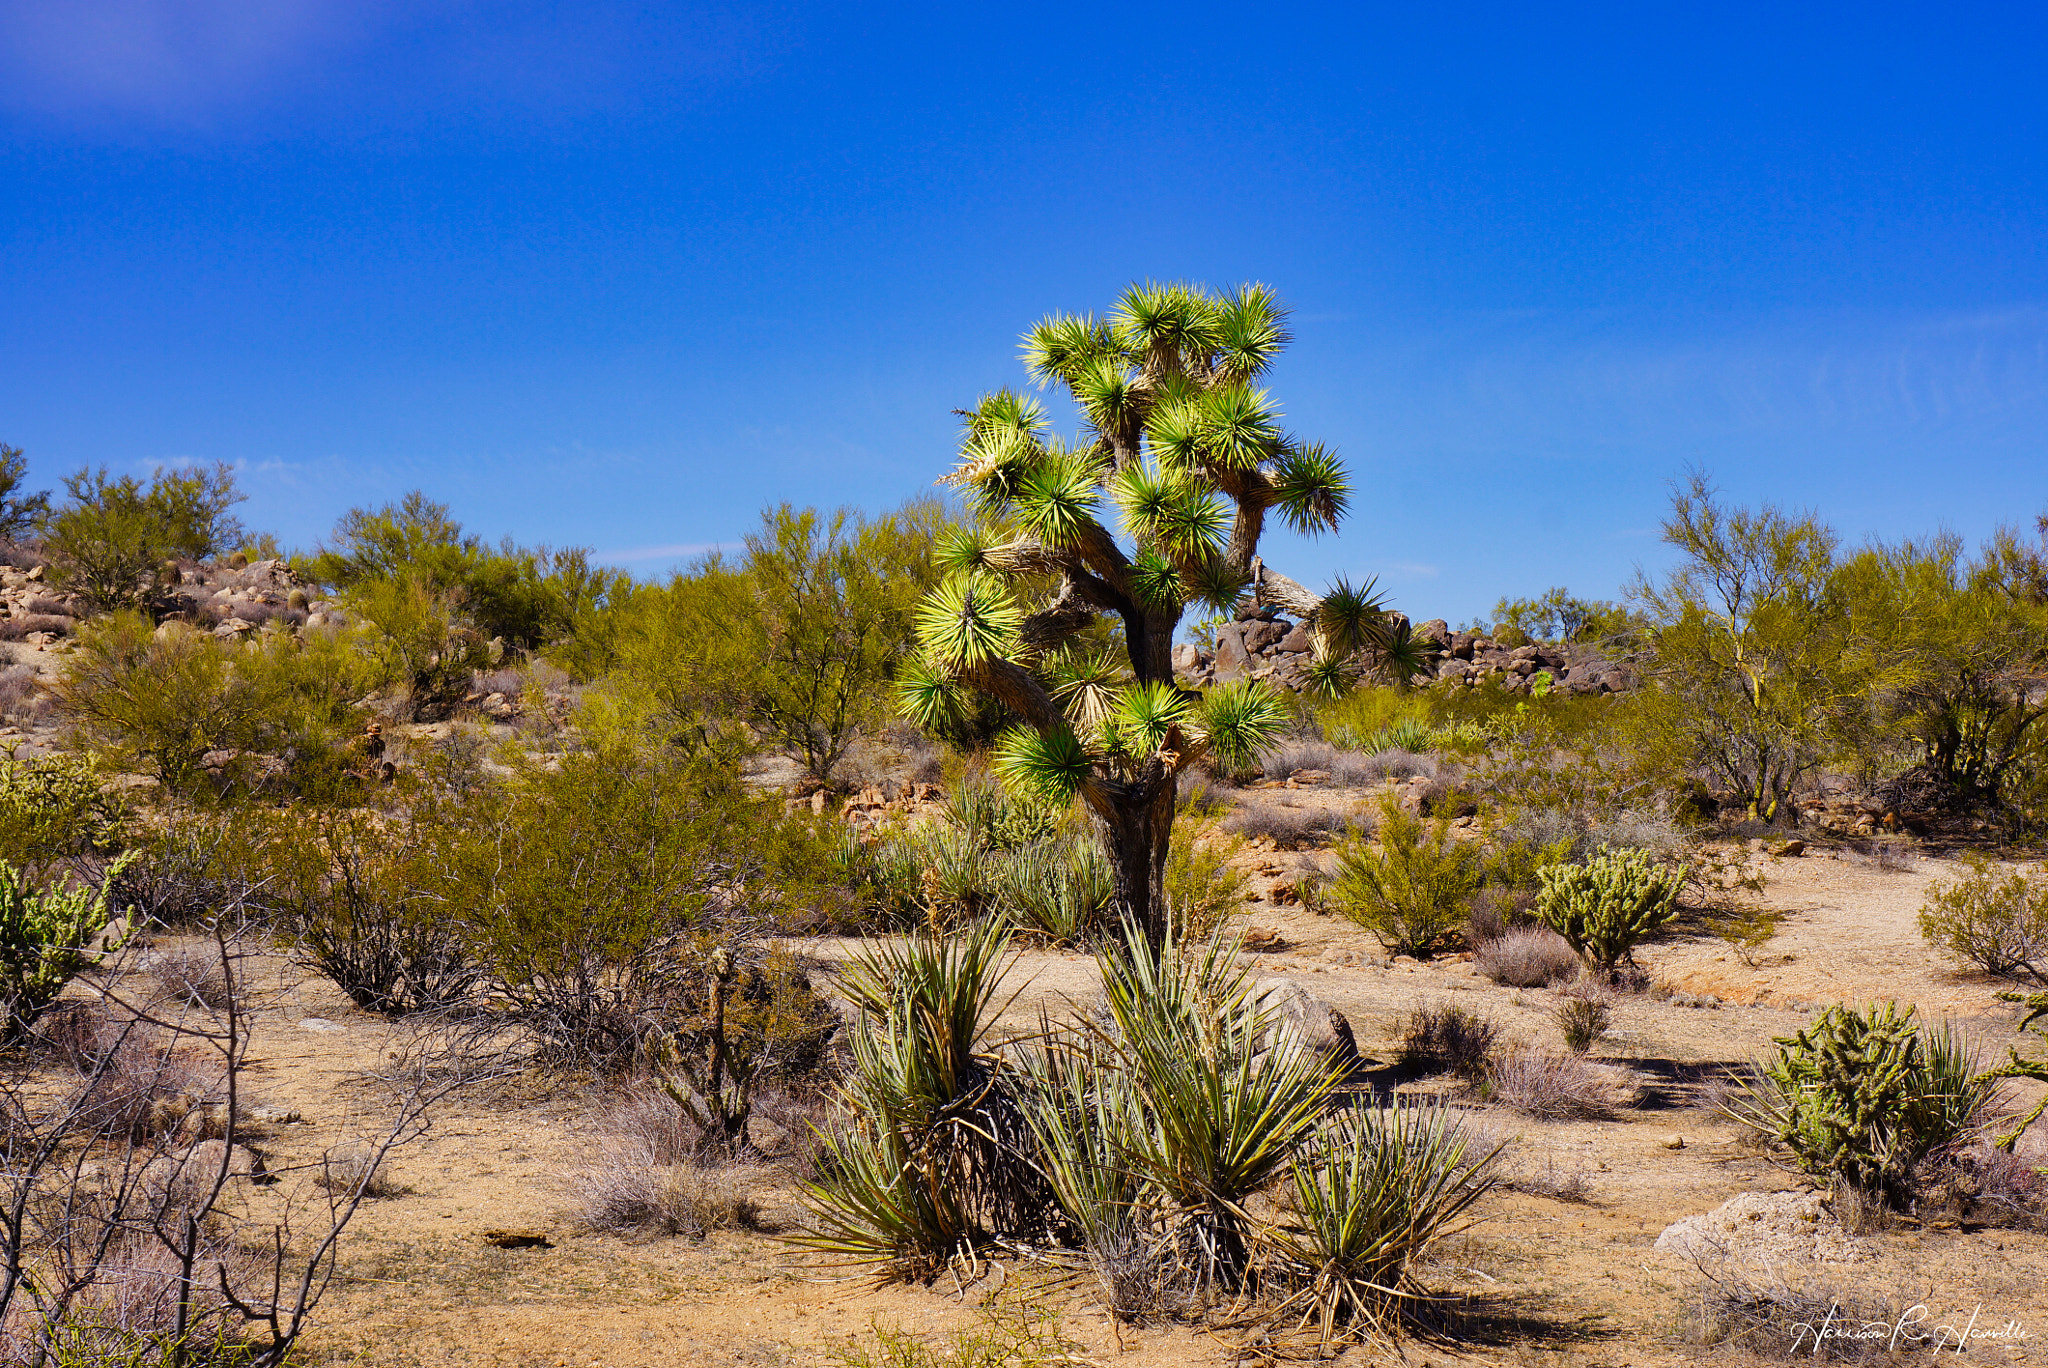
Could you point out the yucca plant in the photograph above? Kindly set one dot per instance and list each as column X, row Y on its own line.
column 1194, row 458
column 1370, row 1194
column 1225, row 1099
column 1059, row 888
column 937, row 1160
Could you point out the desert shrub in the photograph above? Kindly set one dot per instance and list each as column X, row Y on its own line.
column 18, row 691
column 20, row 512
column 1758, row 1312
column 587, row 890
column 46, row 933
column 57, row 808
column 190, row 975
column 1372, row 1192
column 1448, row 1039
column 1999, row 923
column 1583, row 1014
column 1393, row 762
column 1605, row 906
column 1288, row 828
column 1009, row 1334
column 1412, row 890
column 1059, row 888
column 1528, row 957
column 422, row 642
column 1201, row 884
column 188, row 871
column 137, row 1083
column 162, row 700
column 2005, row 1189
column 759, row 1021
column 1370, row 710
column 111, row 535
column 1550, row 1087
column 1861, row 1097
column 19, row 628
column 1223, row 1116
column 357, row 896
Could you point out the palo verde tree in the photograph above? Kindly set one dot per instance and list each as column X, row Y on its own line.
column 1189, row 457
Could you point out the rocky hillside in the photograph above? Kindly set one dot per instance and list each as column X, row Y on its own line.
column 1265, row 645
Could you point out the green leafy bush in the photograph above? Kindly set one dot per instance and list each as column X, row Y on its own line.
column 1607, row 905
column 1413, row 889
column 1999, row 922
column 161, row 699
column 586, row 890
column 1860, row 1097
column 356, row 894
column 44, row 934
column 111, row 536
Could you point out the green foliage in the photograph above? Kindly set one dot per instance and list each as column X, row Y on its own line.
column 55, row 808
column 44, row 934
column 1996, row 920
column 922, row 1175
column 1411, row 890
column 161, row 699
column 1749, row 677
column 1861, row 1097
column 1226, row 1099
column 1955, row 644
column 2018, row 1066
column 1560, row 615
column 110, row 536
column 582, row 889
column 1192, row 457
column 1202, row 884
column 759, row 1018
column 524, row 597
column 421, row 641
column 1009, row 1334
column 795, row 645
column 1607, row 905
column 1372, row 1193
column 832, row 622
column 357, row 896
column 20, row 514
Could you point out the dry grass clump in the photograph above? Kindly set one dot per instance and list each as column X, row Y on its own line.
column 347, row 1168
column 1527, row 957
column 1552, row 1087
column 191, row 976
column 136, row 1082
column 1448, row 1039
column 649, row 1174
column 17, row 628
column 1735, row 1308
column 1288, row 828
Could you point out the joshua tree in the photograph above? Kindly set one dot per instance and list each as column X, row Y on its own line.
column 1193, row 458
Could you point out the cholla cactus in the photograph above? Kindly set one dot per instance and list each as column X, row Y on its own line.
column 45, row 934
column 1608, row 904
column 1193, row 458
column 1860, row 1097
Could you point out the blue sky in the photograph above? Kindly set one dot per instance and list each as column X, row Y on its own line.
column 619, row 275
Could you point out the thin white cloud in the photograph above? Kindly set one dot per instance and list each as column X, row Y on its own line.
column 1413, row 569
column 167, row 57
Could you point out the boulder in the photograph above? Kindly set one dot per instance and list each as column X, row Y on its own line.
column 1232, row 659
column 1766, row 1228
column 1433, row 634
column 1186, row 657
column 1299, row 640
column 1260, row 637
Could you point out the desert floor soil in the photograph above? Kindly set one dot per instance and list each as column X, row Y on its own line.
column 1539, row 1280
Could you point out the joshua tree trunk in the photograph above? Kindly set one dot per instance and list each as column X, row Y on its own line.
column 1136, row 820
